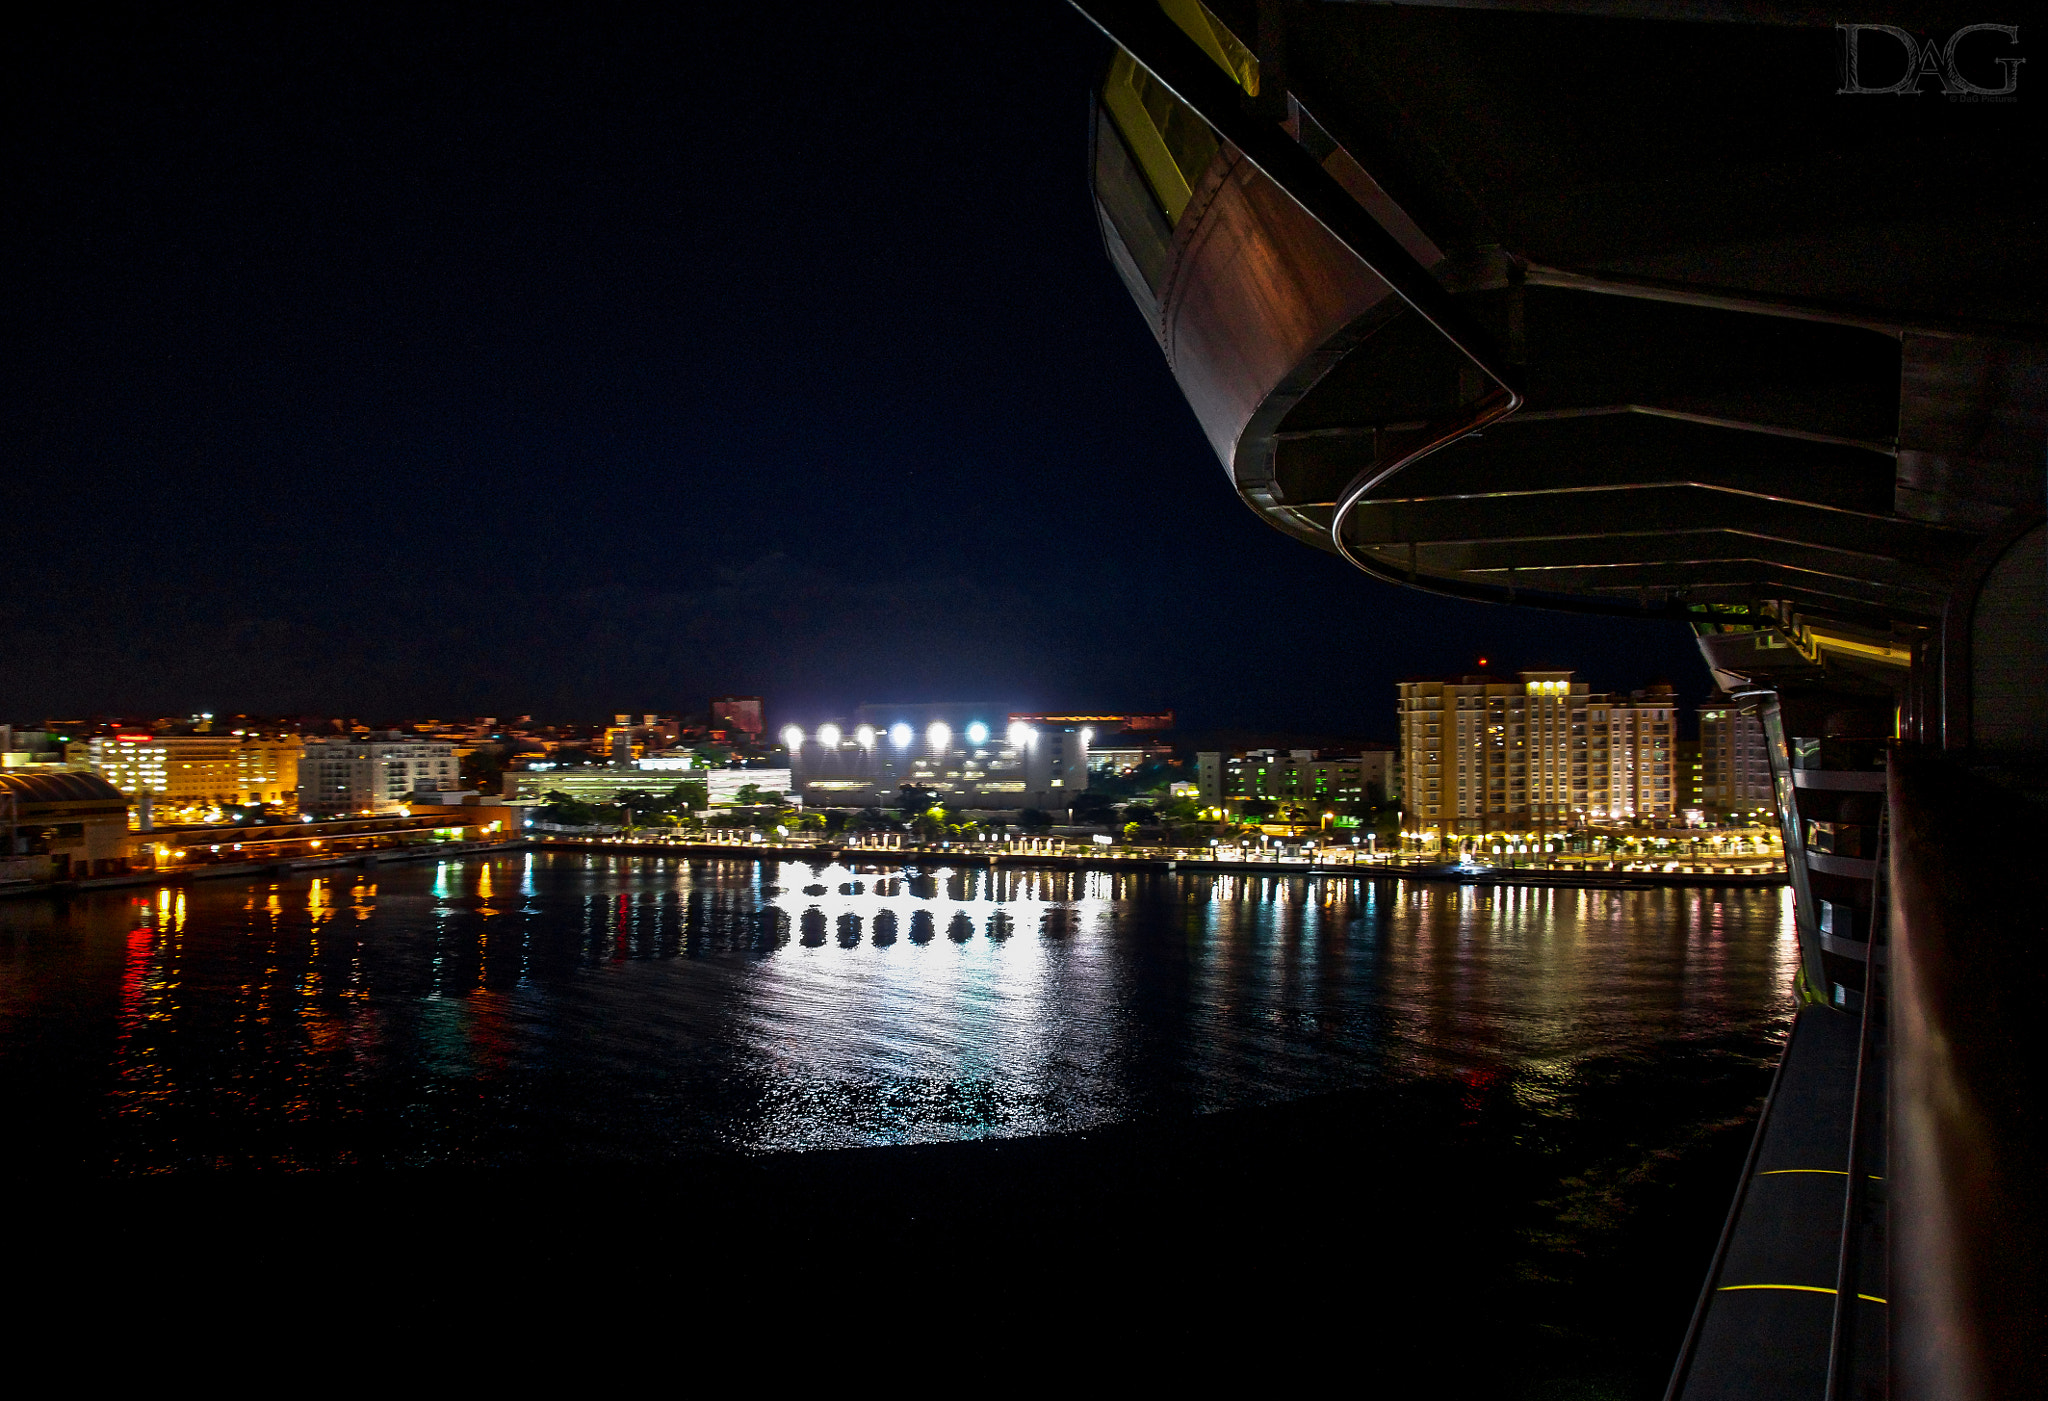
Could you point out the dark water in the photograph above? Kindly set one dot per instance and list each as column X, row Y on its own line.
column 546, row 1007
column 1483, row 1138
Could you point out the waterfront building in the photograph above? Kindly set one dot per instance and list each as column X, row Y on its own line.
column 375, row 776
column 189, row 848
column 1735, row 769
column 594, row 785
column 188, row 775
column 61, row 826
column 724, row 786
column 659, row 774
column 1544, row 751
column 972, row 756
column 1294, row 777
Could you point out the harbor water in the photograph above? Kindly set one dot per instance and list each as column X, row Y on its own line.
column 1591, row 1057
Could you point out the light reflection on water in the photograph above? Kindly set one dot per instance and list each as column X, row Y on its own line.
column 569, row 1008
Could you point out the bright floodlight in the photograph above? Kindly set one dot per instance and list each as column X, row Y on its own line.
column 793, row 737
column 828, row 735
column 1020, row 734
column 977, row 733
column 939, row 737
column 900, row 735
column 1087, row 734
column 864, row 736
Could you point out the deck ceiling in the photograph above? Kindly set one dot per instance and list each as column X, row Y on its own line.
column 1773, row 346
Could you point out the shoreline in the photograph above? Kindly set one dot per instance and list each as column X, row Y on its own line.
column 1044, row 860
column 222, row 870
column 1433, row 872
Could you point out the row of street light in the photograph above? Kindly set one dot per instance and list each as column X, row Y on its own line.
column 938, row 736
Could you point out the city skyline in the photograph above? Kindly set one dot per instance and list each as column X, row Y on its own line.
column 1367, row 720
column 446, row 414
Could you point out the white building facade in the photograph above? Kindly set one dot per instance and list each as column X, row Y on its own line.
column 191, row 773
column 340, row 778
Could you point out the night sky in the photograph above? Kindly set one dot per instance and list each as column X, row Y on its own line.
column 514, row 360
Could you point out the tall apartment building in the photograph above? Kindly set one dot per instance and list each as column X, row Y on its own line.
column 1735, row 770
column 1295, row 776
column 1543, row 751
column 343, row 777
column 188, row 774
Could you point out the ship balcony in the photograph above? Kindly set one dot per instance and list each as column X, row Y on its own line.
column 1495, row 403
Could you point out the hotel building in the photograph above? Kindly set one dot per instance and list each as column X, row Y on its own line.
column 188, row 774
column 1480, row 754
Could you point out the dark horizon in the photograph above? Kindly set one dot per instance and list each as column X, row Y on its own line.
column 503, row 361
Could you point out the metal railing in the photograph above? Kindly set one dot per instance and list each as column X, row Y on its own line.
column 1968, row 1140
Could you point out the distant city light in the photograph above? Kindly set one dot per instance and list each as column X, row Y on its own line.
column 864, row 736
column 828, row 735
column 1020, row 734
column 939, row 737
column 900, row 735
column 977, row 733
column 793, row 737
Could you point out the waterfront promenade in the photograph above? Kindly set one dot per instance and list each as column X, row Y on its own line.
column 220, row 870
column 1053, row 853
column 1045, row 853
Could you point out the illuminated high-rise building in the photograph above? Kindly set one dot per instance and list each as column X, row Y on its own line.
column 1481, row 754
column 188, row 775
